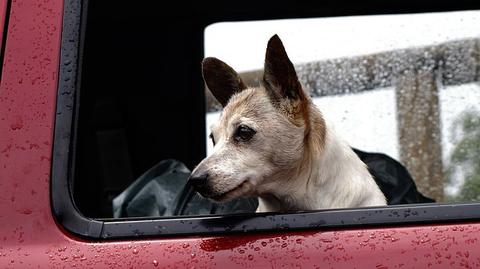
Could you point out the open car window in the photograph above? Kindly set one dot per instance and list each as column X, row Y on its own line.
column 402, row 85
column 133, row 114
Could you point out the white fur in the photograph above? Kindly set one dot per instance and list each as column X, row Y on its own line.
column 339, row 179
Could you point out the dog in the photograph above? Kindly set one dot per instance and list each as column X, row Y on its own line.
column 272, row 142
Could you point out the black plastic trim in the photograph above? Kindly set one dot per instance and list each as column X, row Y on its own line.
column 5, row 35
column 63, row 205
column 321, row 219
column 68, row 216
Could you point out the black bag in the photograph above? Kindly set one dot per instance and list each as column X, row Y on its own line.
column 393, row 179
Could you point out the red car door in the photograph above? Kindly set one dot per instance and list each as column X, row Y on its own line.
column 31, row 237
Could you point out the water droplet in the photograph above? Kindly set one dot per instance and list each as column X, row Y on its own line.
column 250, row 257
column 193, row 255
column 135, row 251
column 155, row 263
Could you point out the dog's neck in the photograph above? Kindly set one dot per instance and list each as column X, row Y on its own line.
column 331, row 176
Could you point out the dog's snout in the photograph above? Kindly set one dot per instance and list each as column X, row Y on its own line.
column 198, row 180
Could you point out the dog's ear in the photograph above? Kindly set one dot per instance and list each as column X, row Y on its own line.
column 280, row 78
column 221, row 79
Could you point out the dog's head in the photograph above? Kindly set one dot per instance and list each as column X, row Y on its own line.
column 261, row 137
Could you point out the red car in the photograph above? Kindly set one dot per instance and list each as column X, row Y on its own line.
column 70, row 86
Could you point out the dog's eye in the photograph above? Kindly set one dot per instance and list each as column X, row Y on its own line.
column 244, row 133
column 213, row 138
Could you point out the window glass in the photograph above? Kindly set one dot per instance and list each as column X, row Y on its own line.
column 403, row 85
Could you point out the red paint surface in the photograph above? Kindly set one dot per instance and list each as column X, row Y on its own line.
column 30, row 238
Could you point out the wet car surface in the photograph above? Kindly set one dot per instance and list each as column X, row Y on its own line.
column 32, row 237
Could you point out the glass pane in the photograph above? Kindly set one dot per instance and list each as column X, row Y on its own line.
column 403, row 85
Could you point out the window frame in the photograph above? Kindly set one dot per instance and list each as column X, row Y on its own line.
column 4, row 22
column 68, row 215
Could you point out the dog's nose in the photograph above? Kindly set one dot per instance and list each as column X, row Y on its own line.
column 198, row 180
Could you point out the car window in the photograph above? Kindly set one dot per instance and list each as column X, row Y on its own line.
column 403, row 85
column 130, row 124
